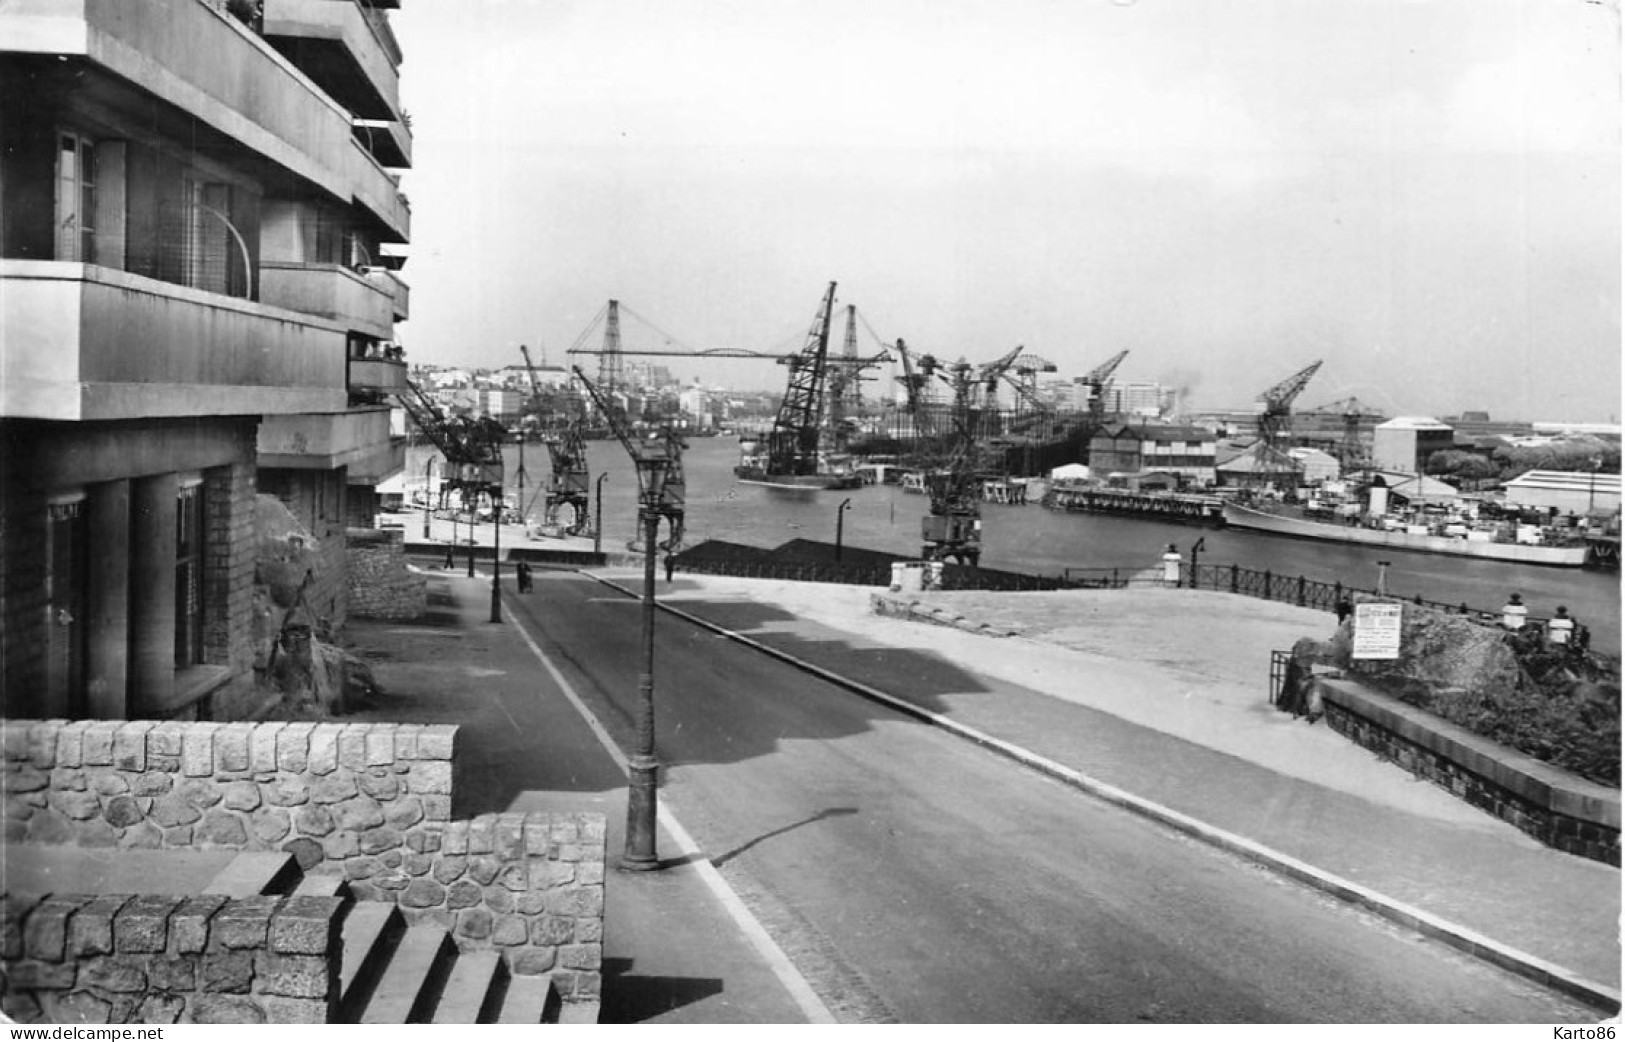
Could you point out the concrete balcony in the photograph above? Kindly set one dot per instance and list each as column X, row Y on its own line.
column 379, row 375
column 350, row 55
column 206, row 64
column 399, row 292
column 355, row 301
column 83, row 342
column 379, row 192
column 389, row 141
column 357, row 438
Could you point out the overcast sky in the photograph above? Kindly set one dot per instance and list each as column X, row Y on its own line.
column 1424, row 193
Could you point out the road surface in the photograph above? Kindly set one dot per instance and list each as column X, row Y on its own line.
column 914, row 877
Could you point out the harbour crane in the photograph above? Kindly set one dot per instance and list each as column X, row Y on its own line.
column 662, row 453
column 472, row 447
column 1275, row 419
column 567, row 452
column 953, row 526
column 1351, row 453
column 792, row 443
column 1098, row 380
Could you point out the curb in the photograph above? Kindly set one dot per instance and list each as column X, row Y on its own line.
column 1465, row 940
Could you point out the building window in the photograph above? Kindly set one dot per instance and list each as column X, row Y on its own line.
column 190, row 535
column 76, row 199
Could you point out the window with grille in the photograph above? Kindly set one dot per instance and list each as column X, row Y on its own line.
column 75, row 199
column 189, row 544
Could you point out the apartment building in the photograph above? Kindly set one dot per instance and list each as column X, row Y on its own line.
column 195, row 305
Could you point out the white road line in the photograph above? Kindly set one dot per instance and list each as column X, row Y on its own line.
column 812, row 1007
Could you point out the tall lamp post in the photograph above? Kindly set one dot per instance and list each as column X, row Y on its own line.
column 428, row 499
column 469, row 506
column 598, row 515
column 643, row 767
column 496, row 557
column 840, row 516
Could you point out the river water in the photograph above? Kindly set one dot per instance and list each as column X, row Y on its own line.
column 1032, row 539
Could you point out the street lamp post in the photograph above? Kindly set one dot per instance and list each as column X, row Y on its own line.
column 427, row 497
column 840, row 517
column 469, row 506
column 496, row 558
column 598, row 516
column 643, row 767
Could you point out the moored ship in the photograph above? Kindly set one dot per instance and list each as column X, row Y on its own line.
column 1461, row 541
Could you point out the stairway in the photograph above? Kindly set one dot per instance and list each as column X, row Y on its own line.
column 392, row 973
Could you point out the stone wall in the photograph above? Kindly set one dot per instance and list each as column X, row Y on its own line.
column 381, row 586
column 915, row 611
column 370, row 801
column 1559, row 809
column 80, row 958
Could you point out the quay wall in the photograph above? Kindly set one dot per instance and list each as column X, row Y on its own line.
column 372, row 802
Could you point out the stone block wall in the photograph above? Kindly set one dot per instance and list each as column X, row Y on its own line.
column 916, row 611
column 530, row 886
column 80, row 958
column 1494, row 783
column 381, row 586
column 371, row 801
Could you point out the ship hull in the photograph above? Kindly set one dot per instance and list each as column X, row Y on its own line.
column 797, row 482
column 1237, row 516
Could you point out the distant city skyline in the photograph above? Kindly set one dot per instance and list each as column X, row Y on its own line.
column 1425, row 193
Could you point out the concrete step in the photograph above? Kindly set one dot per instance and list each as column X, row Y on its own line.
column 474, row 991
column 370, row 932
column 324, row 885
column 256, row 872
column 413, row 979
column 530, row 1000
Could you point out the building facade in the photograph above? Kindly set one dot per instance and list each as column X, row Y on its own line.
column 1404, row 443
column 195, row 307
column 1129, row 449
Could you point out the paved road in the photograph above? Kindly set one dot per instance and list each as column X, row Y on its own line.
column 914, row 877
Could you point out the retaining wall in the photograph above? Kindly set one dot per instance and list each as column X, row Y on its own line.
column 380, row 584
column 158, row 960
column 370, row 801
column 1560, row 809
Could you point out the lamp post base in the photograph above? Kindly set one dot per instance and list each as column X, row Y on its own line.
column 640, row 853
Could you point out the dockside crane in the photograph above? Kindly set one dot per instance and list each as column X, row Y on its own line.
column 568, row 479
column 1351, row 450
column 660, row 454
column 472, row 447
column 952, row 529
column 1098, row 380
column 792, row 443
column 1275, row 419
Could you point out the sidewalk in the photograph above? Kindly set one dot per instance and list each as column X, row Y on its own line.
column 671, row 953
column 1168, row 704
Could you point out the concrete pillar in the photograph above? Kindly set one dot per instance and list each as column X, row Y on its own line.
column 107, row 634
column 152, row 595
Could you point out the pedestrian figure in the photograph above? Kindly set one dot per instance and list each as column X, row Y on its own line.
column 1344, row 610
column 1514, row 613
column 1170, row 566
column 671, row 566
column 522, row 570
column 1560, row 630
column 450, row 563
